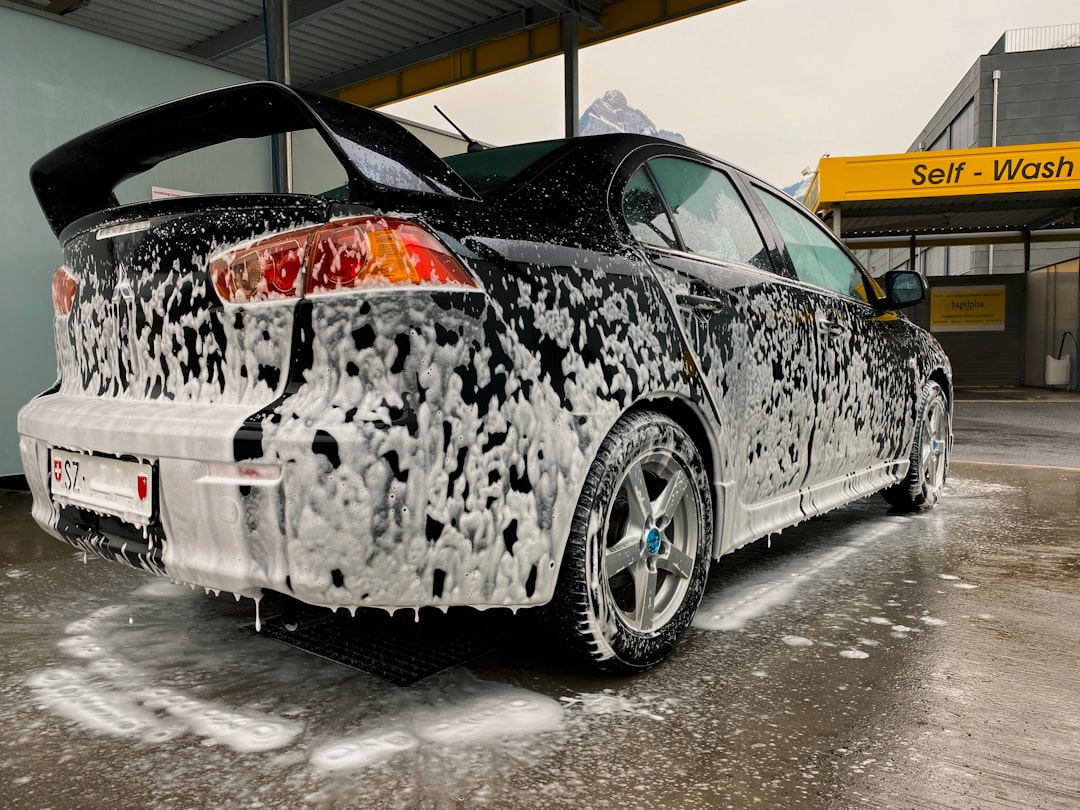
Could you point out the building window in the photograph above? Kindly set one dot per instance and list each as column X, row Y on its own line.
column 960, row 133
column 962, row 129
column 934, row 262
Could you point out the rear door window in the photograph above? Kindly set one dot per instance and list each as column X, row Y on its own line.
column 709, row 214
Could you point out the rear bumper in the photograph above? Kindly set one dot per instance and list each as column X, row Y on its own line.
column 344, row 534
column 197, row 511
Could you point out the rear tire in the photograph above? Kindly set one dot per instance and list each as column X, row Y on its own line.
column 922, row 487
column 638, row 553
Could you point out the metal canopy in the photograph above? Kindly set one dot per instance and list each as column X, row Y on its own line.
column 960, row 220
column 369, row 51
column 985, row 195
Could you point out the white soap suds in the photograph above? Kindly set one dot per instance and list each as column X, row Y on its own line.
column 734, row 607
column 110, row 695
column 508, row 712
column 609, row 703
column 359, row 752
column 487, row 713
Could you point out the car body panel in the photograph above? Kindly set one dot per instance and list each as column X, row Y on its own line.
column 390, row 447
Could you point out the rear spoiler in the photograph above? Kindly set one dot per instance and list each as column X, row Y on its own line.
column 79, row 177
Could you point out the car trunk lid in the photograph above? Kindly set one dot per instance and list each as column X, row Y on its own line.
column 145, row 320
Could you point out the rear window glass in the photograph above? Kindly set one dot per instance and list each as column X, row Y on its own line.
column 490, row 169
column 709, row 213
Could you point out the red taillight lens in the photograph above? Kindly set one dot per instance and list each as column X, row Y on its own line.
column 64, row 286
column 263, row 271
column 430, row 260
column 342, row 255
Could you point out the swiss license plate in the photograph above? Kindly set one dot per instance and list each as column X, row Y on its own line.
column 109, row 485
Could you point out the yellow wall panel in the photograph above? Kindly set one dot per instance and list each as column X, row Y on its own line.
column 436, row 73
column 620, row 18
column 545, row 40
column 382, row 90
column 502, row 53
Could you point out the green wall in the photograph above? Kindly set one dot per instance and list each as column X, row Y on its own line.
column 57, row 81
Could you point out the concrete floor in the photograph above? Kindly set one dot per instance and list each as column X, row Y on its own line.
column 865, row 659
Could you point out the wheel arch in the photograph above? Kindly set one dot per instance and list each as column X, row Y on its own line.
column 704, row 433
column 944, row 380
column 940, row 376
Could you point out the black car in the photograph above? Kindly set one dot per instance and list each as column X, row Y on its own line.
column 567, row 373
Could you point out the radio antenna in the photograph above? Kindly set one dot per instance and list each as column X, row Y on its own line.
column 474, row 146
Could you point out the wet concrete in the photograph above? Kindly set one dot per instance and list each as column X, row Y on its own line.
column 866, row 659
column 1019, row 426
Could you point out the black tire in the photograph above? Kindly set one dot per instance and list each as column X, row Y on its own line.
column 929, row 455
column 638, row 554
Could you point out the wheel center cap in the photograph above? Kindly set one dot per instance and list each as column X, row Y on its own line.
column 652, row 540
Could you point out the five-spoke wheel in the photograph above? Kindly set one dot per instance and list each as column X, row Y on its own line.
column 929, row 455
column 638, row 555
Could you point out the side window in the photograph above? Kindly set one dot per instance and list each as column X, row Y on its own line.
column 817, row 258
column 644, row 212
column 710, row 216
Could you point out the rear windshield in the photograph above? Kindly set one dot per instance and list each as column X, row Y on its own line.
column 490, row 169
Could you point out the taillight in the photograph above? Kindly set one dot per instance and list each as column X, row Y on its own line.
column 63, row 290
column 376, row 251
column 262, row 271
column 341, row 255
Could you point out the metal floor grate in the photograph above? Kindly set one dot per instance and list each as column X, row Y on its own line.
column 397, row 648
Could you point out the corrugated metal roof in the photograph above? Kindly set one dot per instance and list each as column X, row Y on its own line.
column 880, row 223
column 327, row 37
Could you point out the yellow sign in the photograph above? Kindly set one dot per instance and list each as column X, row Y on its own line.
column 952, row 172
column 967, row 309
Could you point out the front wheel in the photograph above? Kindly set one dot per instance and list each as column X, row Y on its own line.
column 638, row 553
column 929, row 455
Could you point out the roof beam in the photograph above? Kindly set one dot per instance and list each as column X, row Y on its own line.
column 588, row 17
column 248, row 33
column 505, row 24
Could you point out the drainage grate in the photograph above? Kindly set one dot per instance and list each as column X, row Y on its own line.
column 397, row 648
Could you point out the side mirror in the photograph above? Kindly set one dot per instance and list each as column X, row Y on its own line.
column 903, row 288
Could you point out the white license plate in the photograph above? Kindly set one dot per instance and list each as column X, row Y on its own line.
column 121, row 488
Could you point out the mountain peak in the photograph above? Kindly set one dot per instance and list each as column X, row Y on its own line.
column 615, row 98
column 613, row 113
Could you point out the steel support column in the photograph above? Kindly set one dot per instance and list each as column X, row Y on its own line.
column 277, row 68
column 570, row 72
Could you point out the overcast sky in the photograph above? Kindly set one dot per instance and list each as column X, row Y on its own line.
column 770, row 85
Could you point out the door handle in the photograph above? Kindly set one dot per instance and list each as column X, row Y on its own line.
column 828, row 325
column 700, row 303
